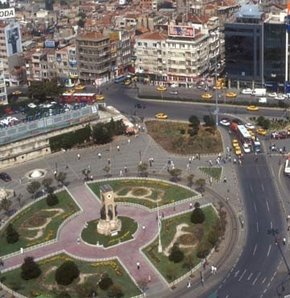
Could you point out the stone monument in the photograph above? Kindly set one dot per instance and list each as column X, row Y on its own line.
column 109, row 224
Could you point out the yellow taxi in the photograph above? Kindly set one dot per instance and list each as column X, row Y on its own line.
column 79, row 87
column 238, row 150
column 161, row 88
column 127, row 82
column 231, row 94
column 261, row 131
column 206, row 96
column 252, row 108
column 235, row 143
column 69, row 92
column 100, row 97
column 17, row 92
column 161, row 116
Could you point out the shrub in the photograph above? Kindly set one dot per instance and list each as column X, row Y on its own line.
column 12, row 235
column 66, row 273
column 209, row 120
column 52, row 199
column 197, row 216
column 30, row 269
column 105, row 283
column 115, row 291
column 213, row 236
column 176, row 255
column 203, row 249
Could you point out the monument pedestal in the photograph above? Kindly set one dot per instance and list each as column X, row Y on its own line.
column 109, row 227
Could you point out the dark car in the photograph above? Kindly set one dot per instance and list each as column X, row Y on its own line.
column 5, row 177
column 283, row 134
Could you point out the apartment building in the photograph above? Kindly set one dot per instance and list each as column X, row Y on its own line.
column 11, row 52
column 182, row 55
column 3, row 93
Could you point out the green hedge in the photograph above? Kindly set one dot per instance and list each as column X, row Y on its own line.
column 70, row 139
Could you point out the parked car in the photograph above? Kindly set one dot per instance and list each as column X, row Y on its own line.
column 247, row 91
column 225, row 122
column 5, row 177
column 174, row 92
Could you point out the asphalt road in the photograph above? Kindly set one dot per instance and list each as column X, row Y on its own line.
column 254, row 271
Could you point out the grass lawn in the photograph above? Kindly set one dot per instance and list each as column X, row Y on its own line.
column 174, row 137
column 197, row 234
column 145, row 192
column 90, row 272
column 37, row 215
column 90, row 234
column 213, row 172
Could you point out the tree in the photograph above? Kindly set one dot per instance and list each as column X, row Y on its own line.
column 190, row 180
column 12, row 235
column 195, row 123
column 102, row 134
column 107, row 170
column 200, row 184
column 30, row 269
column 5, row 204
column 175, row 173
column 197, row 216
column 106, row 282
column 46, row 182
column 176, row 255
column 263, row 122
column 203, row 249
column 209, row 120
column 60, row 177
column 33, row 187
column 52, row 199
column 142, row 169
column 43, row 90
column 115, row 291
column 66, row 273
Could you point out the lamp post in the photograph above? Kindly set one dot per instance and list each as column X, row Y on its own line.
column 159, row 228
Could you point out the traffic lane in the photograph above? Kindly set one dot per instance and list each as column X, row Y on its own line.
column 259, row 258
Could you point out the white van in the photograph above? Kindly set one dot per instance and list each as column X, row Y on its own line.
column 263, row 100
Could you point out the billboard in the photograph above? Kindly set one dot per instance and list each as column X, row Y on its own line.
column 7, row 13
column 181, row 31
column 49, row 44
column 13, row 39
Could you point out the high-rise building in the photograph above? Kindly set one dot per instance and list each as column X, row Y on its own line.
column 3, row 93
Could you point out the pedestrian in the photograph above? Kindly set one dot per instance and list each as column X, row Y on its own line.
column 99, row 155
column 225, row 179
column 125, row 169
column 118, row 147
column 143, row 228
column 284, row 241
column 109, row 161
column 189, row 160
column 188, row 284
column 129, row 141
column 138, row 265
column 78, row 156
column 149, row 278
column 210, row 180
column 54, row 173
column 188, row 167
column 92, row 177
column 190, row 205
column 78, row 240
column 121, row 173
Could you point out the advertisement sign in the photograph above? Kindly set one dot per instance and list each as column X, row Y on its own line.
column 13, row 39
column 49, row 44
column 181, row 31
column 7, row 13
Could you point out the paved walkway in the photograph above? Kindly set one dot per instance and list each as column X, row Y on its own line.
column 139, row 148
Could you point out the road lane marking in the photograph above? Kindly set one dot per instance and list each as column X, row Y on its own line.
column 255, row 207
column 262, row 186
column 255, row 248
column 255, row 280
column 242, row 275
column 263, row 281
column 257, row 227
column 251, row 188
column 269, row 250
column 268, row 206
column 237, row 272
column 271, row 225
column 250, row 275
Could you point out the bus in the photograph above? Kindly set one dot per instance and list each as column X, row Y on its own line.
column 79, row 97
column 244, row 136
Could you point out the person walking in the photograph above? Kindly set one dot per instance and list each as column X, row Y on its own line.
column 118, row 147
column 78, row 156
column 138, row 265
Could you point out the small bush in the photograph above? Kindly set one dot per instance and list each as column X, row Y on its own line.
column 203, row 250
column 105, row 283
column 176, row 255
column 182, row 131
column 197, row 216
column 30, row 269
column 52, row 199
column 115, row 291
column 12, row 235
column 66, row 273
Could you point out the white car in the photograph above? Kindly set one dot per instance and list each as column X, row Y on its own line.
column 246, row 148
column 174, row 85
column 174, row 92
column 273, row 94
column 263, row 100
column 280, row 97
column 250, row 126
column 247, row 91
column 225, row 122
